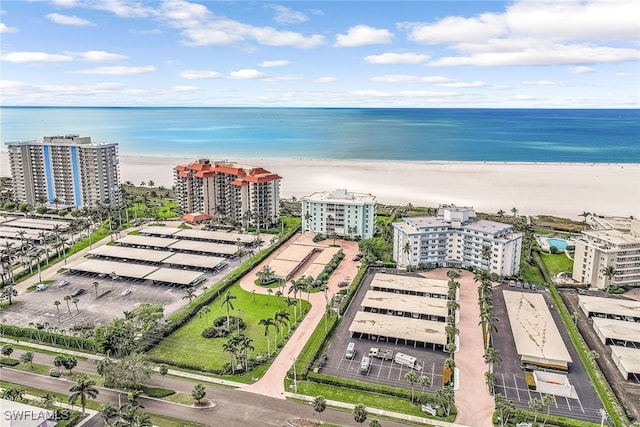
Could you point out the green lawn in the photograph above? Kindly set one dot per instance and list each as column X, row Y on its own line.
column 557, row 263
column 531, row 273
column 186, row 346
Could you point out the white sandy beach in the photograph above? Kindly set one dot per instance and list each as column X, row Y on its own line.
column 543, row 188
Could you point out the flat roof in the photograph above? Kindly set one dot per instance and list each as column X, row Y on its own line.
column 124, row 269
column 410, row 283
column 341, row 196
column 295, row 252
column 399, row 327
column 533, row 328
column 215, row 235
column 615, row 237
column 43, row 224
column 137, row 240
column 314, row 270
column 203, row 261
column 174, row 275
column 404, row 302
column 208, row 247
column 615, row 306
column 282, row 268
column 326, row 255
column 617, row 329
column 13, row 233
column 629, row 358
column 159, row 231
column 131, row 253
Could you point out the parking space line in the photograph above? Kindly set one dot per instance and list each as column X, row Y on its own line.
column 516, row 384
column 504, row 386
column 580, row 403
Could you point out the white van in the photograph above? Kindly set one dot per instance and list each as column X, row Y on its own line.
column 351, row 350
column 408, row 361
column 365, row 365
column 41, row 287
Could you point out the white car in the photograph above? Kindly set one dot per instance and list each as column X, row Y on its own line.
column 63, row 283
column 126, row 292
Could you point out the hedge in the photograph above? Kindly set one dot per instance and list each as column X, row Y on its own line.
column 313, row 348
column 351, row 291
column 7, row 361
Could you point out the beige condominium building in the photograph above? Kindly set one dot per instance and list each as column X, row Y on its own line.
column 598, row 249
column 340, row 211
column 64, row 170
column 247, row 194
column 455, row 238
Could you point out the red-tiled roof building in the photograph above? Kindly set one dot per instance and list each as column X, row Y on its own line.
column 247, row 194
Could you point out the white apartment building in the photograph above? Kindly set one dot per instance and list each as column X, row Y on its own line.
column 345, row 213
column 247, row 194
column 454, row 238
column 64, row 170
column 598, row 249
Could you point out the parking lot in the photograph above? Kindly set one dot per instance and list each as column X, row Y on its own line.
column 38, row 306
column 385, row 372
column 510, row 378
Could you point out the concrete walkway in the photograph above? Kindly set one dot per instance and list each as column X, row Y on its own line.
column 473, row 400
column 272, row 383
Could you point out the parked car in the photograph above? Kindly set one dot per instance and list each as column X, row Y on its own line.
column 126, row 292
column 78, row 292
column 358, row 257
column 41, row 287
column 63, row 283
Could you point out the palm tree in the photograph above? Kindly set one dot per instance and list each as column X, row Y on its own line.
column 490, row 379
column 319, row 405
column 411, row 378
column 57, row 303
column 282, row 317
column 68, row 298
column 9, row 292
column 501, row 214
column 205, row 310
column 360, row 413
column 270, row 292
column 230, row 347
column 294, row 303
column 514, row 211
column 75, row 301
column 609, row 272
column 245, row 344
column 547, row 400
column 407, row 250
column 95, row 286
column 445, row 396
column 584, row 215
column 228, row 298
column 297, row 286
column 108, row 412
column 307, row 218
column 267, row 323
column 190, row 294
column 424, row 381
column 536, row 405
column 83, row 389
column 492, row 357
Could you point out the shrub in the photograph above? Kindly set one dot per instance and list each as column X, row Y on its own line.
column 157, row 392
column 54, row 373
column 215, row 332
column 7, row 361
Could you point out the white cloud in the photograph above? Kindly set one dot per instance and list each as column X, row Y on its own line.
column 200, row 27
column 247, row 74
column 118, row 70
column 459, row 84
column 65, row 3
column 100, row 56
column 284, row 15
column 404, row 78
column 283, row 78
column 274, row 63
column 326, row 79
column 199, row 74
column 397, row 58
column 184, row 88
column 542, row 83
column 581, row 70
column 523, row 97
column 362, row 35
column 543, row 55
column 68, row 20
column 537, row 33
column 125, row 9
column 24, row 57
column 4, row 28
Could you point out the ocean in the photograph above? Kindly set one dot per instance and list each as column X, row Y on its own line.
column 477, row 135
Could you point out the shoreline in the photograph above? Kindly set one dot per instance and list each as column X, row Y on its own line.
column 534, row 188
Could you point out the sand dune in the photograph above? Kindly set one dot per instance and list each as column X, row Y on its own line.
column 534, row 188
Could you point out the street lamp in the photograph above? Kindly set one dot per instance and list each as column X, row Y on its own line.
column 239, row 314
column 295, row 376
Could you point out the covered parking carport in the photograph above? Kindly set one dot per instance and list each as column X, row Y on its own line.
column 137, row 254
column 198, row 261
column 204, row 247
column 627, row 360
column 610, row 308
column 145, row 241
column 174, row 276
column 121, row 269
column 405, row 305
column 410, row 285
column 617, row 332
column 375, row 326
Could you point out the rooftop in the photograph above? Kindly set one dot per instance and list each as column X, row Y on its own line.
column 341, row 196
column 404, row 302
column 399, row 327
column 617, row 329
column 614, row 306
column 613, row 237
column 410, row 283
column 629, row 358
column 534, row 330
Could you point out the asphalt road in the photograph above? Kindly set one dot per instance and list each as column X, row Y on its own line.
column 233, row 408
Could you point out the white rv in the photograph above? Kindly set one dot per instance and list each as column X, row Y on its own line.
column 408, row 361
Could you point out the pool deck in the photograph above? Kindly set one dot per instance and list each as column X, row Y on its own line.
column 543, row 241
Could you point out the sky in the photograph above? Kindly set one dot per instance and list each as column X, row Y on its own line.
column 521, row 54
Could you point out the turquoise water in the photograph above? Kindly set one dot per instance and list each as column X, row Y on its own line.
column 558, row 243
column 421, row 134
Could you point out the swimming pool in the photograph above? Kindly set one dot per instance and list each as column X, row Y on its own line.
column 558, row 243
